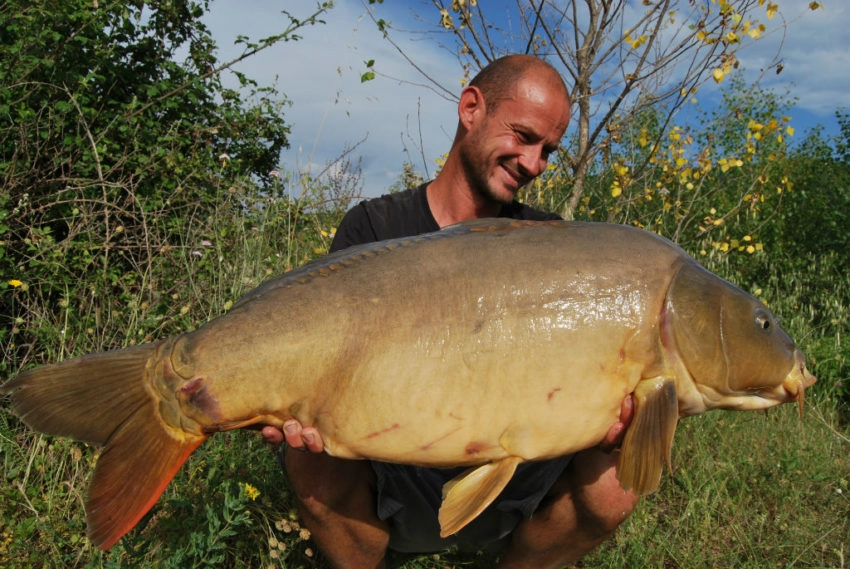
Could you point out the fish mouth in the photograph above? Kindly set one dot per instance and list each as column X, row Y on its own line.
column 791, row 389
column 798, row 380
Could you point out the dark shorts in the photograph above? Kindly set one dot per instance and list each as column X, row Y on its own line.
column 409, row 498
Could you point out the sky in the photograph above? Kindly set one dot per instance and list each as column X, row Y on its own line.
column 397, row 117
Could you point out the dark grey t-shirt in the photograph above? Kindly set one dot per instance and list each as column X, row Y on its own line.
column 405, row 214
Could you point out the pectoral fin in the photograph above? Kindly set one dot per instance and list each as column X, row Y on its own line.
column 468, row 494
column 649, row 437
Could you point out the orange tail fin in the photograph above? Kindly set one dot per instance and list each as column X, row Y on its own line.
column 104, row 399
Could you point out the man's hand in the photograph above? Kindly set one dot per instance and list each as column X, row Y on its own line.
column 296, row 436
column 615, row 435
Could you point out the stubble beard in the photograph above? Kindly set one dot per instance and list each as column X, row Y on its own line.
column 476, row 170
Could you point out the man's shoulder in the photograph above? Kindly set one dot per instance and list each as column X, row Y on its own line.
column 399, row 214
column 517, row 210
column 408, row 201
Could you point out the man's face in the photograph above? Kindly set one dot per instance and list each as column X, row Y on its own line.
column 509, row 146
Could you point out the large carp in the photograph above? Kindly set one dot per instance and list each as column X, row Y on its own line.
column 487, row 344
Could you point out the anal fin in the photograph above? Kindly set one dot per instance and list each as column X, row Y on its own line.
column 649, row 438
column 468, row 494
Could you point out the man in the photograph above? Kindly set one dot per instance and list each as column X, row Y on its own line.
column 511, row 117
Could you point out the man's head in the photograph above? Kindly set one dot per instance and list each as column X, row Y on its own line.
column 512, row 115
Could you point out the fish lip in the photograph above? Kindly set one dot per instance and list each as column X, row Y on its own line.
column 799, row 378
column 807, row 378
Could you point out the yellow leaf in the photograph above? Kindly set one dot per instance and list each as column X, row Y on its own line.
column 445, row 19
column 772, row 9
column 718, row 75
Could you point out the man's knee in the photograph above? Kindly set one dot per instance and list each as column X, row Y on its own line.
column 599, row 498
column 336, row 502
column 321, row 481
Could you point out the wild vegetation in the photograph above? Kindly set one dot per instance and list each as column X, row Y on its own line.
column 140, row 198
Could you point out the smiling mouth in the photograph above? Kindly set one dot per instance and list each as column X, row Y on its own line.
column 516, row 178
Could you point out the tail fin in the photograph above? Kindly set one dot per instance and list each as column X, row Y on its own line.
column 104, row 399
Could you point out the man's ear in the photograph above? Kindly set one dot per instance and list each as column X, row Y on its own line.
column 471, row 107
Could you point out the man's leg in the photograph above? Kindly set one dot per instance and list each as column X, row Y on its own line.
column 582, row 510
column 336, row 502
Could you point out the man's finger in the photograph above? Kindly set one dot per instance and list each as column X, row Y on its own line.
column 272, row 435
column 292, row 434
column 312, row 439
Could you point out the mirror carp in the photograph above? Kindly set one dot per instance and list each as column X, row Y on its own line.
column 486, row 344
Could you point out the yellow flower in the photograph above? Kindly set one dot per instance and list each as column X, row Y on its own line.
column 250, row 491
column 616, row 190
column 15, row 283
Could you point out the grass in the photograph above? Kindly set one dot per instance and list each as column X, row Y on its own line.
column 748, row 491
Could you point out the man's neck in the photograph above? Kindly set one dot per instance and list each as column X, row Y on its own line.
column 453, row 203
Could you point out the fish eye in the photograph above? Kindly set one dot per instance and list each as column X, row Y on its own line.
column 763, row 320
